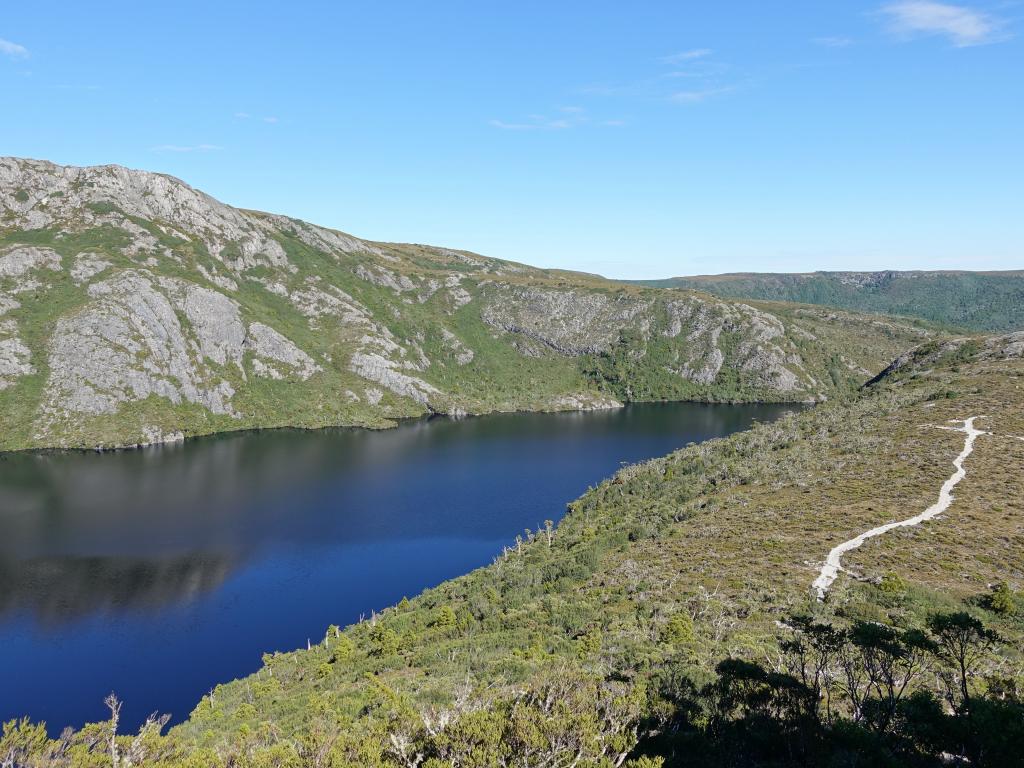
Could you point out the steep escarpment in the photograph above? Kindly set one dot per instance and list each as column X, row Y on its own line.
column 136, row 309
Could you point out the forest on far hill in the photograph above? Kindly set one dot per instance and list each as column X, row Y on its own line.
column 979, row 301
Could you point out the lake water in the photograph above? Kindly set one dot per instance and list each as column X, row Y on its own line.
column 159, row 573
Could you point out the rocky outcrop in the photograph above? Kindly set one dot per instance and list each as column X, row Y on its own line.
column 576, row 323
column 142, row 310
column 126, row 344
column 270, row 347
column 463, row 355
column 87, row 266
column 926, row 356
column 15, row 357
column 386, row 372
column 38, row 195
column 141, row 336
column 571, row 322
column 17, row 262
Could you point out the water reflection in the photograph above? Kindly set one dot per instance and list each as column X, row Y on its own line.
column 159, row 573
column 57, row 590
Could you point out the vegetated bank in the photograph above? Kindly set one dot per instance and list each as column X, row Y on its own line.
column 670, row 616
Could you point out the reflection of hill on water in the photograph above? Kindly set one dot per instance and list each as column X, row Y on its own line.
column 59, row 589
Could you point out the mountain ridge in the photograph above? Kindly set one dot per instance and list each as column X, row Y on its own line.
column 136, row 309
column 981, row 301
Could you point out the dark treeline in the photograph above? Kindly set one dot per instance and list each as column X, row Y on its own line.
column 864, row 695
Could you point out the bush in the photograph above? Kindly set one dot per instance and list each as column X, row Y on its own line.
column 1001, row 599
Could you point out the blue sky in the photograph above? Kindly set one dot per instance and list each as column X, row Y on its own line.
column 640, row 139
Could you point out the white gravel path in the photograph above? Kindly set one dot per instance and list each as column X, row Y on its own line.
column 833, row 563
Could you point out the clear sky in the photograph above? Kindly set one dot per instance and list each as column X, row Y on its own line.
column 639, row 139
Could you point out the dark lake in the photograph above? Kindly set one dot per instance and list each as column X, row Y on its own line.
column 159, row 573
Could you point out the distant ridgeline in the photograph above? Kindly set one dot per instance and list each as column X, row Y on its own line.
column 981, row 301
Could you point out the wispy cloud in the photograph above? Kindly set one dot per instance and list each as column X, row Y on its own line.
column 534, row 123
column 835, row 41
column 13, row 50
column 568, row 117
column 702, row 77
column 686, row 77
column 699, row 95
column 186, row 148
column 684, row 56
column 963, row 26
column 247, row 116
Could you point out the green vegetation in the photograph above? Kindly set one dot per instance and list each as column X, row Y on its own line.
column 980, row 301
column 669, row 616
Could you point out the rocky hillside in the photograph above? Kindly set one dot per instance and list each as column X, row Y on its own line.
column 135, row 309
column 980, row 301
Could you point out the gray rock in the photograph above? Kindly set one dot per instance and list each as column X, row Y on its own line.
column 268, row 344
column 87, row 265
column 15, row 357
column 126, row 344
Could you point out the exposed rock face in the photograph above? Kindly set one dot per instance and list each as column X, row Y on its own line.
column 143, row 310
column 1005, row 347
column 570, row 322
column 269, row 345
column 127, row 344
column 575, row 323
column 16, row 262
column 463, row 354
column 15, row 357
column 214, row 318
column 108, row 194
column 385, row 278
column 87, row 266
column 583, row 402
column 387, row 373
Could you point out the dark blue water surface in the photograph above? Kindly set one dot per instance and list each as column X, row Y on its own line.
column 159, row 573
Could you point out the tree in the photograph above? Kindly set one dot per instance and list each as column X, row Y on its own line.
column 342, row 649
column 679, row 632
column 445, row 618
column 811, row 657
column 890, row 660
column 384, row 641
column 962, row 642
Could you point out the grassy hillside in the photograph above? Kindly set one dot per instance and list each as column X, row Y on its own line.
column 135, row 309
column 980, row 301
column 670, row 615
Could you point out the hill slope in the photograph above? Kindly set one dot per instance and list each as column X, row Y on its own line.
column 981, row 301
column 135, row 309
column 673, row 612
column 731, row 533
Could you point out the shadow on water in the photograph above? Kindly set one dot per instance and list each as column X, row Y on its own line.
column 159, row 573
